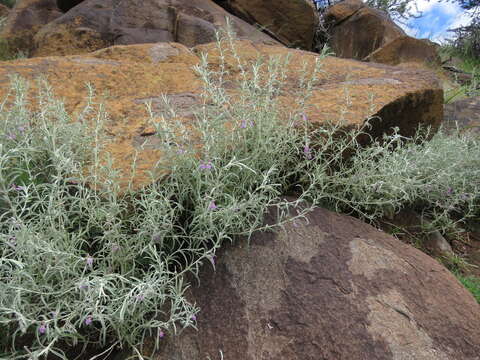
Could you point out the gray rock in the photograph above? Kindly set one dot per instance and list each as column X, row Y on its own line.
column 335, row 288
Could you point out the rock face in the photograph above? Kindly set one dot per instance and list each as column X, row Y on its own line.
column 292, row 22
column 404, row 50
column 342, row 10
column 464, row 113
column 25, row 19
column 346, row 90
column 363, row 32
column 335, row 288
column 97, row 24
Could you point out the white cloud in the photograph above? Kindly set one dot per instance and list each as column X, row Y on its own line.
column 422, row 5
column 461, row 20
column 438, row 17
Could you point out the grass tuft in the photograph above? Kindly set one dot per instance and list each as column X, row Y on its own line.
column 472, row 283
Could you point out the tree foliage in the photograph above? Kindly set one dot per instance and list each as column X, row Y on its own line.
column 466, row 40
column 400, row 10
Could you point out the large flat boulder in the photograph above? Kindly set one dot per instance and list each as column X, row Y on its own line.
column 363, row 32
column 25, row 19
column 406, row 50
column 96, row 24
column 293, row 22
column 131, row 75
column 335, row 288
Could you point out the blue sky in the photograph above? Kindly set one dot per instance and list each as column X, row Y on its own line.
column 437, row 18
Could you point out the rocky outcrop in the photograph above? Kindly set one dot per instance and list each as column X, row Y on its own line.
column 332, row 288
column 363, row 32
column 346, row 90
column 24, row 20
column 292, row 22
column 97, row 24
column 404, row 50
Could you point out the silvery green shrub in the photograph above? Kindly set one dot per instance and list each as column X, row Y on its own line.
column 90, row 266
column 440, row 178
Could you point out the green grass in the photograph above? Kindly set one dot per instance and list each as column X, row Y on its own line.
column 472, row 283
column 468, row 64
column 114, row 264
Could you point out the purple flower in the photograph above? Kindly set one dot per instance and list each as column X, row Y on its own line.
column 11, row 136
column 42, row 329
column 18, row 188
column 307, row 152
column 295, row 224
column 22, row 128
column 181, row 151
column 206, row 166
column 161, row 334
column 304, row 117
column 140, row 297
column 212, row 259
column 194, row 318
column 83, row 286
column 212, row 205
column 89, row 260
column 449, row 191
column 88, row 320
column 243, row 124
column 115, row 248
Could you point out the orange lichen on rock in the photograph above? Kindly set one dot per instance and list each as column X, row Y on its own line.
column 128, row 77
column 406, row 50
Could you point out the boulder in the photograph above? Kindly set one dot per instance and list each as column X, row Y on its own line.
column 464, row 114
column 362, row 33
column 346, row 90
column 332, row 288
column 4, row 11
column 406, row 50
column 96, row 24
column 24, row 20
column 292, row 22
column 438, row 245
column 341, row 11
